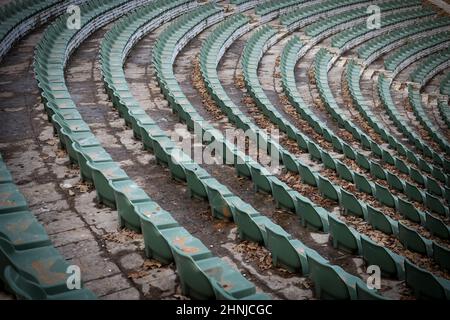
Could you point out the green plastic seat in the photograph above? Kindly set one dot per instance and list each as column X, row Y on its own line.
column 176, row 162
column 196, row 276
column 362, row 184
column 425, row 285
column 344, row 172
column 331, row 282
column 11, row 199
column 327, row 189
column 153, row 220
column 352, row 205
column 381, row 222
column 410, row 212
column 194, row 176
column 90, row 154
column 435, row 205
column 362, row 161
column 307, row 175
column 436, row 226
column 377, row 171
column 395, row 181
column 261, row 179
column 413, row 193
column 289, row 162
column 314, row 151
column 250, row 223
column 441, row 255
column 103, row 173
column 328, row 161
column 383, row 195
column 220, row 199
column 391, row 264
column 127, row 195
column 401, row 166
column 343, row 237
column 42, row 265
column 348, row 151
column 283, row 195
column 26, row 289
column 311, row 216
column 286, row 251
column 413, row 241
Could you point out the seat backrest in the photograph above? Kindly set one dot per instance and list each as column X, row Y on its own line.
column 325, row 277
column 374, row 254
column 424, row 284
column 189, row 272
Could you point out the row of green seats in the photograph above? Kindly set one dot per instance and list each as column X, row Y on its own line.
column 310, row 215
column 288, row 62
column 415, row 101
column 353, row 77
column 398, row 59
column 384, row 85
column 30, row 267
column 165, row 239
column 324, row 25
column 372, row 49
column 348, row 37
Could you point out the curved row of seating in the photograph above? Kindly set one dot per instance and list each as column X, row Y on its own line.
column 430, row 67
column 164, row 238
column 350, row 18
column 20, row 17
column 353, row 74
column 405, row 208
column 285, row 250
column 372, row 49
column 415, row 101
column 271, row 9
column 384, row 85
column 30, row 267
column 407, row 54
column 445, row 85
column 361, row 33
column 343, row 236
